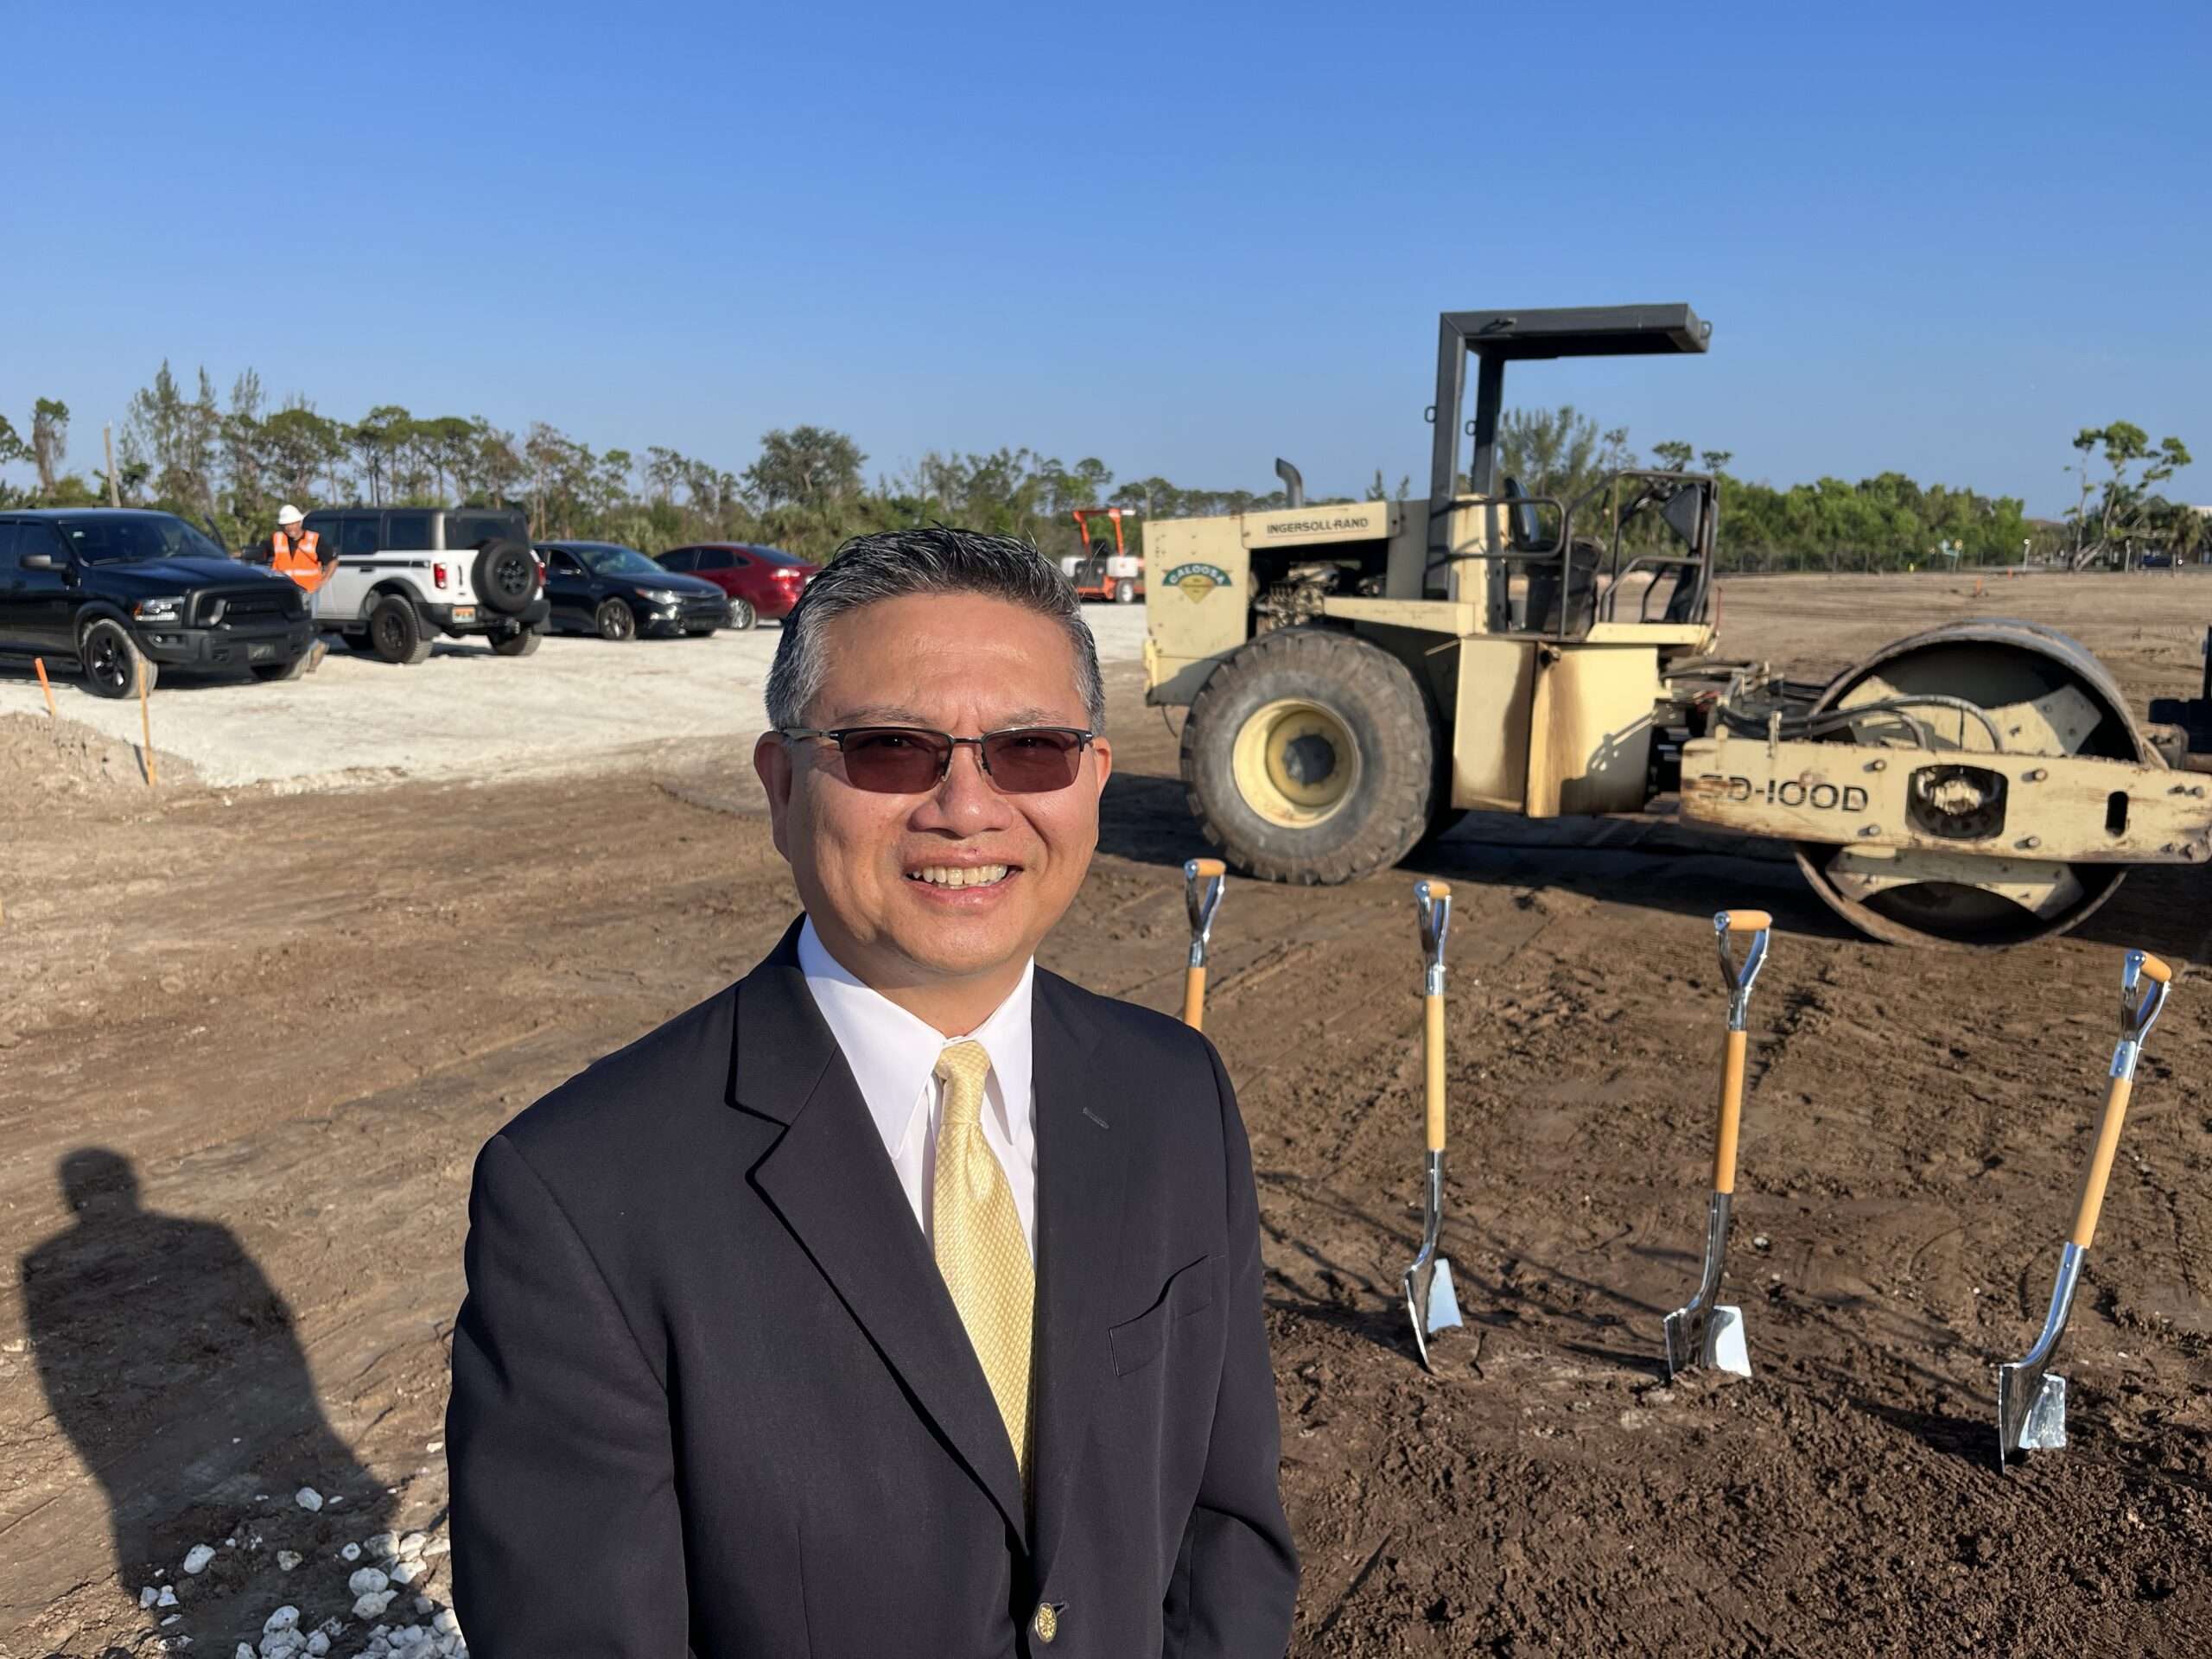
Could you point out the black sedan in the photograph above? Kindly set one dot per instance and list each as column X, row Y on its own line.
column 617, row 593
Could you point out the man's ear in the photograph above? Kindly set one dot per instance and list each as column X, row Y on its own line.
column 1104, row 751
column 771, row 765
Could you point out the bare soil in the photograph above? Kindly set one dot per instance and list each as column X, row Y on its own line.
column 295, row 1017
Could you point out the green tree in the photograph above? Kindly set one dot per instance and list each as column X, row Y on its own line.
column 806, row 466
column 176, row 441
column 2124, row 502
column 376, row 441
column 1559, row 452
column 295, row 447
column 49, row 440
column 242, row 441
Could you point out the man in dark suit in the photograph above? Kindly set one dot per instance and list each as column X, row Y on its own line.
column 903, row 1299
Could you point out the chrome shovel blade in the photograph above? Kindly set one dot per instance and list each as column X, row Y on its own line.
column 2030, row 1396
column 1708, row 1333
column 1711, row 1337
column 2031, row 1412
column 1724, row 1342
column 1683, row 1339
column 1443, row 1299
column 1432, row 1304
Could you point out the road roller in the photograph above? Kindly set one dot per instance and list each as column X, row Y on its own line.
column 1356, row 677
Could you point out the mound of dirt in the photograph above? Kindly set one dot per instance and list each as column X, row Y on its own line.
column 44, row 760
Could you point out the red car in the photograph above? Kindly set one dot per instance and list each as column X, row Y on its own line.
column 761, row 581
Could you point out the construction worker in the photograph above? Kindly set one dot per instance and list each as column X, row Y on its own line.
column 300, row 555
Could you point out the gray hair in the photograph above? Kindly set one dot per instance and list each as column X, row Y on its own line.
column 898, row 564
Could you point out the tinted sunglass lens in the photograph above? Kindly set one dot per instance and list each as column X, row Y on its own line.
column 894, row 763
column 1029, row 763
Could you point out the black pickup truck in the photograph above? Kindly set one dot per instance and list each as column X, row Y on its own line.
column 112, row 588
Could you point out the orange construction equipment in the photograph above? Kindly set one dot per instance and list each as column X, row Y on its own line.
column 1107, row 569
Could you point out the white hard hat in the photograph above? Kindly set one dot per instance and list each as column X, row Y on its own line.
column 287, row 514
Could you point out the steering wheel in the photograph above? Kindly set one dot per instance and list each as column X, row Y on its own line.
column 1656, row 492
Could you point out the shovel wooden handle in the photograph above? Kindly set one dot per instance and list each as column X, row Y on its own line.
column 1749, row 921
column 1732, row 1112
column 1433, row 1053
column 1206, row 868
column 2153, row 968
column 1432, row 1041
column 1194, row 998
column 2092, row 1184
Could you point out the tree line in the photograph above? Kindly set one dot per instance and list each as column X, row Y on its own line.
column 229, row 462
column 1890, row 522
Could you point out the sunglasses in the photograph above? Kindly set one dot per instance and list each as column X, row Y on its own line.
column 912, row 760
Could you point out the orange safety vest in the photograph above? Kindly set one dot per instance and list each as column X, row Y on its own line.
column 299, row 561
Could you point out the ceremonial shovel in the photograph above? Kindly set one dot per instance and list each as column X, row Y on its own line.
column 1705, row 1333
column 1203, row 879
column 2032, row 1397
column 1431, row 1302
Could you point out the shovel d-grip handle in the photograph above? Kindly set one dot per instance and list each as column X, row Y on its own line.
column 1433, row 900
column 2140, row 1004
column 1739, row 980
column 1204, row 879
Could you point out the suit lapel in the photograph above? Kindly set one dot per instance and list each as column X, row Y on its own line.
column 830, row 1180
column 1082, row 1163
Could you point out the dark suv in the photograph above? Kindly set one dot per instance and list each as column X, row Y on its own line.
column 115, row 587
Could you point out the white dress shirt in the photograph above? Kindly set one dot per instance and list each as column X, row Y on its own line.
column 893, row 1055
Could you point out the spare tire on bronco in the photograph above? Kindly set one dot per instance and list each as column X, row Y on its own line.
column 505, row 576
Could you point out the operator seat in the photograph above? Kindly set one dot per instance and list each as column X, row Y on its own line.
column 1570, row 579
column 1686, row 516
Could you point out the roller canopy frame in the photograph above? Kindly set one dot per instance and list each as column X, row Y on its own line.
column 1496, row 338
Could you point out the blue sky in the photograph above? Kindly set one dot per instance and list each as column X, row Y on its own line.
column 1183, row 238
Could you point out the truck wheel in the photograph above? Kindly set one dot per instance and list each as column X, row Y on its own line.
column 1310, row 756
column 112, row 660
column 506, row 575
column 1125, row 592
column 616, row 621
column 520, row 642
column 396, row 630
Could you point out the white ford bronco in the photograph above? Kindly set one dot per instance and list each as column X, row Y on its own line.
column 406, row 575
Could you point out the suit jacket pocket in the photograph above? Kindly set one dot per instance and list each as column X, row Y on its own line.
column 1136, row 1343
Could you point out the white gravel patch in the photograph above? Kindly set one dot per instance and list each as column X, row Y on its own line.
column 577, row 705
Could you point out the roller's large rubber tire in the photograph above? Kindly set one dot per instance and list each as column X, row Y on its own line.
column 1310, row 757
column 521, row 643
column 505, row 577
column 1125, row 592
column 112, row 662
column 396, row 632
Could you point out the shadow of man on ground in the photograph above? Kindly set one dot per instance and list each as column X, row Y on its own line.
column 173, row 1366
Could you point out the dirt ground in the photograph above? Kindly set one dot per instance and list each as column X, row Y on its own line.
column 293, row 1018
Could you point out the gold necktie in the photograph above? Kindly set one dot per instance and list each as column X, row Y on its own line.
column 981, row 1250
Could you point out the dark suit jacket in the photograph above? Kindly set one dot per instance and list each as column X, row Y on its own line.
column 709, row 1391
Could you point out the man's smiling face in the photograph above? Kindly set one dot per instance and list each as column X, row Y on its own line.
column 941, row 895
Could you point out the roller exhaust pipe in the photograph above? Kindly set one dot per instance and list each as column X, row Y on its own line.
column 1294, row 483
